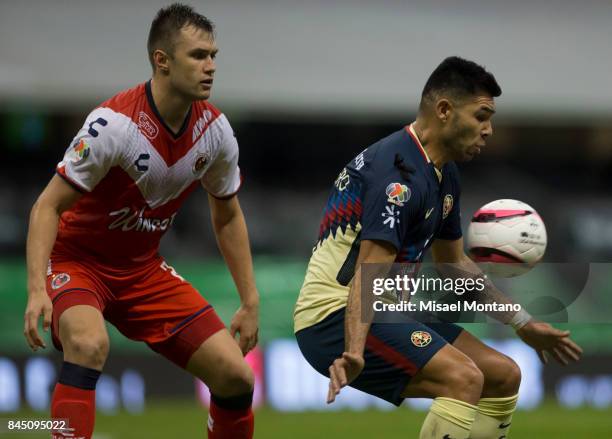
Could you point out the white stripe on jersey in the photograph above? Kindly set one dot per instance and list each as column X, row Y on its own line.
column 213, row 158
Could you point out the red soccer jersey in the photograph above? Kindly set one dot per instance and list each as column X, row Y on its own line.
column 135, row 173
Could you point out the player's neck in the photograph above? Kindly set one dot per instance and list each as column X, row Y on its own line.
column 431, row 143
column 172, row 108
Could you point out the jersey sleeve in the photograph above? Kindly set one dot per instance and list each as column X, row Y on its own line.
column 390, row 208
column 451, row 226
column 222, row 179
column 93, row 151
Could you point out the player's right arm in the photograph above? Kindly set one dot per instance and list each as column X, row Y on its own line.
column 348, row 367
column 94, row 150
column 44, row 219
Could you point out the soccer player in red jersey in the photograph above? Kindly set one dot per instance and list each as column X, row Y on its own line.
column 92, row 249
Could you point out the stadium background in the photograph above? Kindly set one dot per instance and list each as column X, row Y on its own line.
column 307, row 85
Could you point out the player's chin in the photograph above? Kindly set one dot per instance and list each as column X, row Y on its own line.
column 203, row 94
column 466, row 156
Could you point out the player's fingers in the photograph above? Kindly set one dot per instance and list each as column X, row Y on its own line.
column 566, row 348
column 573, row 346
column 253, row 342
column 244, row 344
column 38, row 341
column 560, row 333
column 567, row 352
column 333, row 380
column 233, row 330
column 47, row 313
column 32, row 317
column 543, row 357
column 341, row 375
column 26, row 333
column 331, row 394
column 557, row 355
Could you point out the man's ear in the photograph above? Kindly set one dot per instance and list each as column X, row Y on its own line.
column 443, row 109
column 161, row 61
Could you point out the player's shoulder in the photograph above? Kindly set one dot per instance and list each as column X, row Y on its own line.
column 210, row 117
column 121, row 114
column 393, row 158
column 125, row 99
column 394, row 154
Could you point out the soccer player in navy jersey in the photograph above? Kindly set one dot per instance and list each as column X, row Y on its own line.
column 394, row 201
column 95, row 230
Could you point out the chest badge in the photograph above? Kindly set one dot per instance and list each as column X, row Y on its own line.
column 200, row 162
column 447, row 206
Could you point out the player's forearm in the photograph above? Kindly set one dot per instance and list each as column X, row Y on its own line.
column 42, row 232
column 491, row 294
column 233, row 241
column 355, row 327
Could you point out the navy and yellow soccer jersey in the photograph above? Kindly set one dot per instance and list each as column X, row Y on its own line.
column 390, row 192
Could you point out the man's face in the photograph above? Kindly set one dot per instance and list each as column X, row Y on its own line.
column 468, row 126
column 192, row 66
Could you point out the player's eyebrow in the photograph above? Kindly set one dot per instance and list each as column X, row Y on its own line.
column 488, row 109
column 202, row 51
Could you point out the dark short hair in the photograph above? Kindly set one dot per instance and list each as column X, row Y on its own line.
column 459, row 77
column 167, row 24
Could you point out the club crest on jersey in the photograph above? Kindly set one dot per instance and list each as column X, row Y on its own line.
column 147, row 126
column 398, row 193
column 200, row 162
column 420, row 338
column 447, row 206
column 59, row 280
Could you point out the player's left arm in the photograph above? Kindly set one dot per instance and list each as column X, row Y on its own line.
column 450, row 257
column 233, row 241
column 222, row 181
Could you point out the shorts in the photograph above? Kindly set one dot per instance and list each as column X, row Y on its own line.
column 149, row 303
column 394, row 352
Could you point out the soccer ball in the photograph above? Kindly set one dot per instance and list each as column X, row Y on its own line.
column 507, row 237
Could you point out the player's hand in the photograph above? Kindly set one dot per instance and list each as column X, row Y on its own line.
column 245, row 323
column 343, row 370
column 547, row 340
column 38, row 304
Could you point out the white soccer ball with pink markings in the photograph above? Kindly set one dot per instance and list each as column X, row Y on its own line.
column 507, row 237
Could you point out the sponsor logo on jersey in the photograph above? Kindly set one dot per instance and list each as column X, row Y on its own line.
column 200, row 161
column 420, row 338
column 200, row 126
column 81, row 150
column 147, row 126
column 141, row 162
column 360, row 160
column 398, row 193
column 391, row 216
column 343, row 180
column 447, row 206
column 59, row 280
column 129, row 219
column 428, row 213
